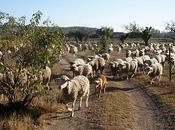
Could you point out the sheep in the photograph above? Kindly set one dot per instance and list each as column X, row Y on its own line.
column 129, row 68
column 142, row 52
column 106, row 56
column 145, row 57
column 154, row 71
column 85, row 70
column 110, row 50
column 46, row 76
column 73, row 49
column 161, row 59
column 128, row 53
column 98, row 64
column 100, row 84
column 128, row 59
column 79, row 86
column 150, row 62
column 135, row 53
column 75, row 63
column 114, row 66
column 140, row 62
column 118, row 48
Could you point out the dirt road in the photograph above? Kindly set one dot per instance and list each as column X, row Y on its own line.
column 124, row 106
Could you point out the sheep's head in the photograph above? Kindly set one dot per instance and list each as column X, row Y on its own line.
column 111, row 65
column 64, row 85
column 148, row 70
column 62, row 80
column 98, row 83
column 122, row 66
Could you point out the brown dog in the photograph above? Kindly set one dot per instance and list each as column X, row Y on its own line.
column 100, row 84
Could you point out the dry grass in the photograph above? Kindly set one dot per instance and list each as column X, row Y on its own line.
column 114, row 111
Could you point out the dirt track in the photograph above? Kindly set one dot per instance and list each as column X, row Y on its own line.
column 125, row 106
column 144, row 112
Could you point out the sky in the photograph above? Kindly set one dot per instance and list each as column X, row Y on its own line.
column 96, row 13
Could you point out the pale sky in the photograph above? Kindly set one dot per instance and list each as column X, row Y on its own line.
column 96, row 13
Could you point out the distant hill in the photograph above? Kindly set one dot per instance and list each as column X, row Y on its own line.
column 66, row 30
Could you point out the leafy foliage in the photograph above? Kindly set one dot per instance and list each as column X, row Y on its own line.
column 105, row 34
column 79, row 35
column 31, row 47
column 146, row 35
column 132, row 27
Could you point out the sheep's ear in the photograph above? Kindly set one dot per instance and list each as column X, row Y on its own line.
column 64, row 85
column 97, row 81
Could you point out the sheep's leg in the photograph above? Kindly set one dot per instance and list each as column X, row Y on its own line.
column 87, row 98
column 104, row 90
column 81, row 98
column 67, row 106
column 73, row 107
column 99, row 93
column 151, row 82
column 159, row 78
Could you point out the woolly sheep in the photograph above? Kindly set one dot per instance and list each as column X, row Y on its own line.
column 85, row 70
column 129, row 68
column 128, row 53
column 97, row 64
column 114, row 66
column 75, row 63
column 79, row 86
column 46, row 75
column 154, row 71
column 161, row 59
column 106, row 56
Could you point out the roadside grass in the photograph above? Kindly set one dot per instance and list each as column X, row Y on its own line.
column 114, row 111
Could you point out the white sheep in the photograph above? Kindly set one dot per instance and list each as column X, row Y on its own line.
column 150, row 62
column 85, row 70
column 114, row 66
column 129, row 68
column 73, row 49
column 161, row 59
column 154, row 71
column 75, row 63
column 46, row 75
column 79, row 86
column 98, row 64
column 106, row 56
column 128, row 53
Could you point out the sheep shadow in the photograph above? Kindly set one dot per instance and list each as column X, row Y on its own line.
column 116, row 89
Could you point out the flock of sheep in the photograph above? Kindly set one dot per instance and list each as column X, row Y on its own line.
column 148, row 59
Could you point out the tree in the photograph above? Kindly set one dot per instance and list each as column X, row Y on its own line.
column 171, row 28
column 79, row 35
column 32, row 46
column 105, row 34
column 124, row 37
column 146, row 35
column 132, row 27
